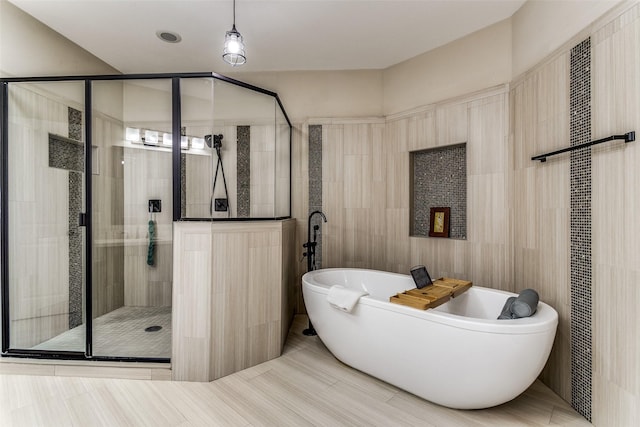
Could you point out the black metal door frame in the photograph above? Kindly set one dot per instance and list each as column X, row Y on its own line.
column 86, row 219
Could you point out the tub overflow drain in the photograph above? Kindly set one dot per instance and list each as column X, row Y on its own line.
column 153, row 328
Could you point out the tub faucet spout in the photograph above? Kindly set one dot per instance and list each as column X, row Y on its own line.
column 311, row 246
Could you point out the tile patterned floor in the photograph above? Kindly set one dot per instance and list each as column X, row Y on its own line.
column 306, row 386
column 121, row 333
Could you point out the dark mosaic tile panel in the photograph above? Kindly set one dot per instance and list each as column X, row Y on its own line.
column 580, row 224
column 315, row 184
column 75, row 124
column 73, row 157
column 183, row 185
column 315, row 201
column 75, row 249
column 244, row 171
column 440, row 180
column 65, row 153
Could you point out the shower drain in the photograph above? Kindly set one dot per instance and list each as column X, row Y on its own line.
column 153, row 328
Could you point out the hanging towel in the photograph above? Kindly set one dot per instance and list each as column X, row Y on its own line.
column 152, row 243
column 343, row 298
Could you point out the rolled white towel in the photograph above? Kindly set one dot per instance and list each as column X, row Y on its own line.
column 344, row 298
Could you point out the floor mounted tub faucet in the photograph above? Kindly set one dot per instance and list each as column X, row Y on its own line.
column 310, row 253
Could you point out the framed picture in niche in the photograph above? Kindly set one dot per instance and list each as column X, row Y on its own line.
column 439, row 222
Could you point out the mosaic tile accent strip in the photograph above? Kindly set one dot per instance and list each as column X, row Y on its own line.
column 244, row 171
column 580, row 224
column 183, row 185
column 75, row 124
column 75, row 249
column 75, row 234
column 65, row 153
column 315, row 184
column 440, row 180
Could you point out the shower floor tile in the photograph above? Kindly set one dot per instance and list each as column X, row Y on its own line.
column 121, row 333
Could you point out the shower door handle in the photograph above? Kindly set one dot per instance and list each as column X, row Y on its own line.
column 82, row 219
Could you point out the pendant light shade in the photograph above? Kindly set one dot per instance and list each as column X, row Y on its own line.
column 233, row 53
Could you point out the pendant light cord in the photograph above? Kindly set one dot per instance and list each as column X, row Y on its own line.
column 234, row 14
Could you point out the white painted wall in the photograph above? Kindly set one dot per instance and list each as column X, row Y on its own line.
column 323, row 93
column 29, row 48
column 472, row 63
column 541, row 27
column 488, row 57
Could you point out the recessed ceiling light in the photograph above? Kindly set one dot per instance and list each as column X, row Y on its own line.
column 168, row 36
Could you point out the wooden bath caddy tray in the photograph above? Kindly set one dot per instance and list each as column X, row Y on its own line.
column 433, row 295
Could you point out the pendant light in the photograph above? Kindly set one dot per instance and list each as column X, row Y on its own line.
column 233, row 53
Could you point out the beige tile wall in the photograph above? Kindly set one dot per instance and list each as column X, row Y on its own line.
column 282, row 172
column 202, row 168
column 518, row 210
column 108, row 215
column 615, row 224
column 300, row 204
column 540, row 123
column 198, row 185
column 39, row 215
column 268, row 168
column 231, row 306
column 366, row 190
column 147, row 175
column 191, row 317
column 541, row 190
column 263, row 167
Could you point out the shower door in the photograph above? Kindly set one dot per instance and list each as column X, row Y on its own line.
column 87, row 213
column 45, row 166
column 131, row 210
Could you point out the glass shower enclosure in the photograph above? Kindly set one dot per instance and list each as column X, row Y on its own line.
column 95, row 170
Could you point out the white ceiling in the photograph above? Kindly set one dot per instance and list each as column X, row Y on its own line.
column 279, row 35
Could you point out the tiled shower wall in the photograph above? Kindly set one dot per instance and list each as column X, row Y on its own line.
column 145, row 178
column 244, row 171
column 250, row 167
column 38, row 262
column 68, row 154
column 108, row 279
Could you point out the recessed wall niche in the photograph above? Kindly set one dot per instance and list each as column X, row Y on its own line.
column 438, row 178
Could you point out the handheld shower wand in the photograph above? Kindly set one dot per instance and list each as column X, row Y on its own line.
column 216, row 141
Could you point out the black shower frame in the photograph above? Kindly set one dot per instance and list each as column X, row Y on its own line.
column 6, row 351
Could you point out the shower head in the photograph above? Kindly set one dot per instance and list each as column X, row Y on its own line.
column 217, row 140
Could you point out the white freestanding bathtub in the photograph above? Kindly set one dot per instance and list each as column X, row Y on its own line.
column 456, row 355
